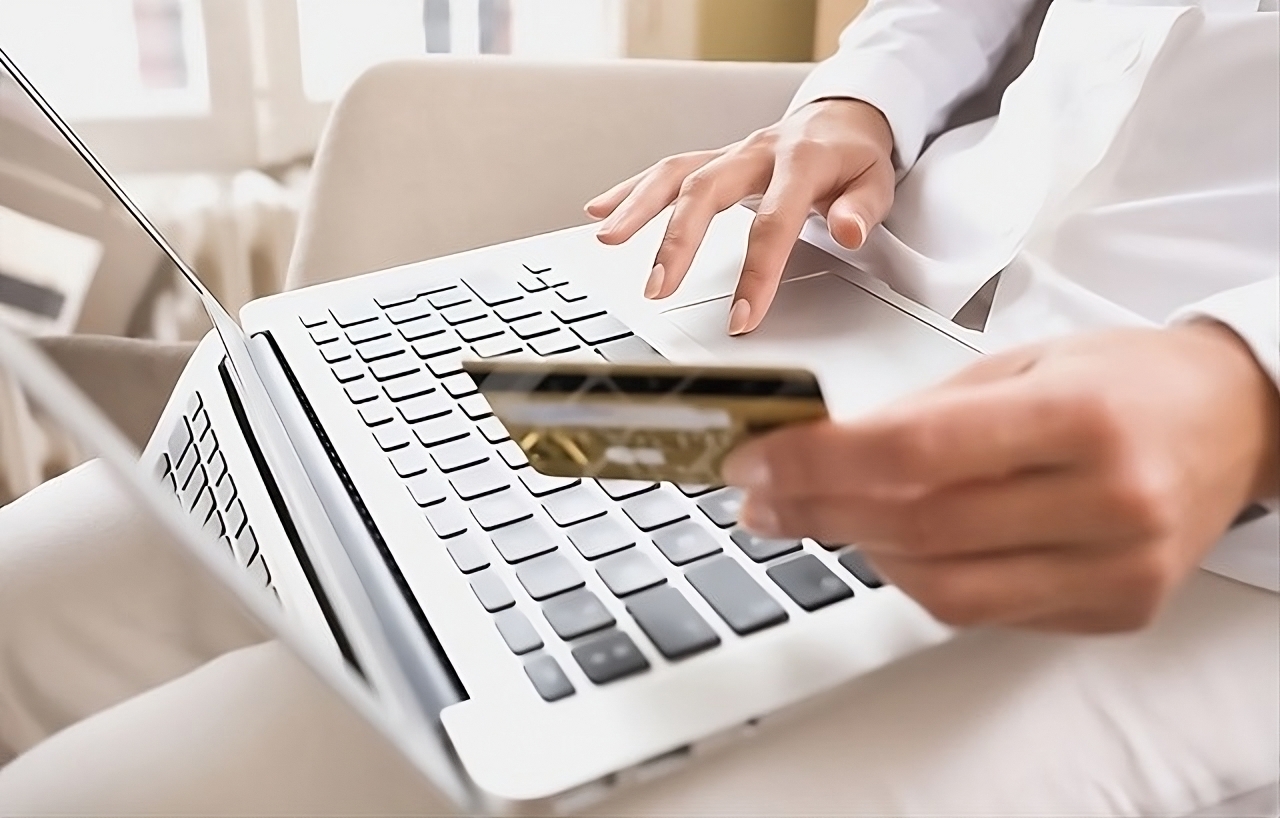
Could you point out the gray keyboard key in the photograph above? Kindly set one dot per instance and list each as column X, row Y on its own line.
column 548, row 575
column 601, row 536
column 856, row 564
column 517, row 310
column 575, row 505
column 467, row 555
column 572, row 313
column 540, row 485
column 378, row 350
column 442, row 430
column 422, row 328
column 492, row 430
column 523, row 541
column 554, row 344
column 245, row 546
column 629, row 350
column 547, row 677
column 629, row 571
column 576, row 614
column 410, row 386
column 413, row 310
column 358, row 312
column 460, row 454
column 361, row 391
column 496, row 347
column 762, row 549
column 459, row 386
column 236, row 518
column 449, row 297
column 377, row 413
column 494, row 287
column 424, row 407
column 600, row 329
column 668, row 619
column 655, row 509
column 622, row 489
column 517, row 632
column 190, row 494
column 735, row 596
column 224, row 492
column 368, row 331
column 217, row 467
column 214, row 525
column 442, row 344
column 475, row 407
column 491, row 591
column 179, row 439
column 446, row 519
column 392, row 437
column 335, row 353
column 486, row 327
column 808, row 582
column 394, row 367
column 410, row 461
column 610, row 656
column 427, row 489
column 722, row 507
column 499, row 510
column 348, row 370
column 535, row 326
column 463, row 313
column 480, row 481
column 204, row 505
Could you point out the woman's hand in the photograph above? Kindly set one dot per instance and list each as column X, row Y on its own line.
column 832, row 156
column 1068, row 486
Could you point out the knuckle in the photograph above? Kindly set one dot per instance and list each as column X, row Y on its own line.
column 1099, row 422
column 699, row 184
column 1142, row 497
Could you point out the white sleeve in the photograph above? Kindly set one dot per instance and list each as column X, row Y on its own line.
column 914, row 59
column 1249, row 553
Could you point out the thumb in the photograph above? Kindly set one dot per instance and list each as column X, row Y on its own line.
column 861, row 206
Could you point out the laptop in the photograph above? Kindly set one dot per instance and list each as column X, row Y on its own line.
column 526, row 641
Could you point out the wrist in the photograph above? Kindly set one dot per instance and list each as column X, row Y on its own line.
column 859, row 113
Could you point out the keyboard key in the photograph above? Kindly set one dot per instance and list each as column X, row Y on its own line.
column 486, row 327
column 492, row 430
column 523, row 541
column 855, row 563
column 446, row 519
column 554, row 344
column 622, row 489
column 224, row 492
column 460, row 454
column 496, row 347
column 600, row 329
column 575, row 505
column 420, row 328
column 534, row 326
column 459, row 386
column 449, row 297
column 512, row 454
column 467, row 555
column 499, row 510
column 334, row 353
column 196, row 483
column 480, row 481
column 548, row 575
column 808, row 582
column 573, row 313
column 376, row 414
column 313, row 319
column 655, row 510
column 442, row 430
column 668, row 619
column 531, row 283
column 377, row 350
column 424, row 407
column 396, row 298
column 348, row 370
column 463, row 313
column 392, row 437
column 696, row 489
column 629, row 350
column 517, row 632
column 235, row 518
column 540, row 485
column 517, row 310
column 410, row 386
column 570, row 294
column 245, row 546
column 735, row 596
column 436, row 345
column 475, row 406
column 722, row 507
column 552, row 278
column 361, row 391
column 410, row 461
column 357, row 312
column 213, row 526
column 369, row 331
column 493, row 287
column 217, row 467
column 686, row 542
column 324, row 334
column 610, row 656
column 427, row 489
column 601, row 536
column 179, row 439
column 491, row 591
column 391, row 368
column 411, row 311
column 204, row 505
column 548, row 679
column 762, row 549
column 630, row 571
column 259, row 572
column 576, row 614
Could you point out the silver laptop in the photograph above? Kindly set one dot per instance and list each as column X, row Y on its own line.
column 522, row 639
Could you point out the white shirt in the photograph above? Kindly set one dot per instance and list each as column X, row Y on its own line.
column 1131, row 177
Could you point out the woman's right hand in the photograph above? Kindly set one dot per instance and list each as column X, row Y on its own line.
column 833, row 156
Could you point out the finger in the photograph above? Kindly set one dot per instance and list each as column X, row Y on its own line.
column 714, row 187
column 981, row 432
column 650, row 195
column 863, row 204
column 786, row 204
column 607, row 202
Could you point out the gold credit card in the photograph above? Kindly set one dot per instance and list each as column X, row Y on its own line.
column 641, row 421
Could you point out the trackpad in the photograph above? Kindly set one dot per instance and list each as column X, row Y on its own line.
column 865, row 351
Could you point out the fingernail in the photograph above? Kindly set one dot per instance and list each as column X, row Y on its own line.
column 862, row 229
column 746, row 471
column 760, row 518
column 654, row 285
column 739, row 317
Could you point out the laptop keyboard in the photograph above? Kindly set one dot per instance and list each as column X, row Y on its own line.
column 194, row 468
column 398, row 358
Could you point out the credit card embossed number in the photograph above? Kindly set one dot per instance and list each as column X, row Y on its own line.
column 641, row 421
